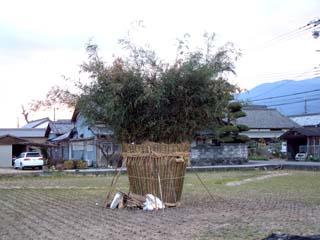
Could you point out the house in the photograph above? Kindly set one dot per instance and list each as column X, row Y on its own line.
column 39, row 123
column 57, row 128
column 302, row 140
column 307, row 120
column 265, row 123
column 58, row 133
column 14, row 141
column 85, row 141
column 94, row 143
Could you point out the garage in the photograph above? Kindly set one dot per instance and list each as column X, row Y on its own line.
column 303, row 140
column 9, row 145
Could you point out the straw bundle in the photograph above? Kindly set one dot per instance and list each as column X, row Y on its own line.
column 148, row 147
column 158, row 169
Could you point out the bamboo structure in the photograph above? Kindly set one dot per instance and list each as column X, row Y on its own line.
column 158, row 169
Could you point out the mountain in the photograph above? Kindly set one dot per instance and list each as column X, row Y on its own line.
column 298, row 97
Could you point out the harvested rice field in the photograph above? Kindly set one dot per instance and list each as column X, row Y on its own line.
column 242, row 205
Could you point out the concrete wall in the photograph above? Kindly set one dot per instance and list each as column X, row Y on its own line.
column 5, row 155
column 206, row 155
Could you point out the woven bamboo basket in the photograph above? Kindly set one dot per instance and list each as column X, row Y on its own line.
column 158, row 169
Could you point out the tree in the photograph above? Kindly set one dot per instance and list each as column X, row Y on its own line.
column 143, row 98
column 230, row 133
column 116, row 95
column 56, row 96
column 25, row 113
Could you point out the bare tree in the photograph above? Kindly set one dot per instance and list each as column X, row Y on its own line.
column 25, row 113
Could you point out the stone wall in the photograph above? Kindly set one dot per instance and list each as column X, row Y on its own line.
column 231, row 153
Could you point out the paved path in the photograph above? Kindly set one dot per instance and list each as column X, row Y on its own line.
column 280, row 164
column 284, row 162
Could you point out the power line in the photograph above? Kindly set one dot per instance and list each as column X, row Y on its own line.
column 312, row 25
column 313, row 72
column 272, row 89
column 277, row 74
column 290, row 99
column 309, row 26
column 282, row 38
column 287, row 95
column 301, row 101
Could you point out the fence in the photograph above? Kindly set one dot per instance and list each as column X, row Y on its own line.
column 313, row 150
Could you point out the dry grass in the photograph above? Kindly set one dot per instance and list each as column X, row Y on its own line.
column 64, row 207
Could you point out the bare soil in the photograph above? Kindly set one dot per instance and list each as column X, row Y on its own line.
column 71, row 208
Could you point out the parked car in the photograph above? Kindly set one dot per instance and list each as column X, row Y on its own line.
column 29, row 159
column 301, row 156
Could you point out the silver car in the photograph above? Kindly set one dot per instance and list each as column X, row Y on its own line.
column 29, row 159
column 301, row 156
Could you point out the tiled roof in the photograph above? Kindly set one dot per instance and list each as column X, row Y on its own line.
column 307, row 119
column 62, row 137
column 60, row 126
column 303, row 131
column 99, row 130
column 8, row 139
column 265, row 118
column 23, row 132
column 36, row 123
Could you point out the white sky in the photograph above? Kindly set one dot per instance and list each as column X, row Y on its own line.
column 42, row 40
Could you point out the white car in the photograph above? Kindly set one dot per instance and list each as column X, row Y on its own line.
column 301, row 156
column 28, row 159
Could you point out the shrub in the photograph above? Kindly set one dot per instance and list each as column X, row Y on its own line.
column 81, row 164
column 313, row 159
column 58, row 166
column 242, row 127
column 69, row 164
column 241, row 139
column 115, row 160
column 228, row 129
column 258, row 158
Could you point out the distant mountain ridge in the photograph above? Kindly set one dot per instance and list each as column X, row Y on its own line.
column 292, row 103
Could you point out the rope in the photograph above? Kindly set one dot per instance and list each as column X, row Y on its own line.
column 155, row 178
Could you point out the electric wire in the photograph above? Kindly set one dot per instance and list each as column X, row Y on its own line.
column 286, row 95
column 302, row 98
column 301, row 101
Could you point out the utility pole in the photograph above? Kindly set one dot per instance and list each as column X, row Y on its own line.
column 315, row 26
column 55, row 112
column 305, row 105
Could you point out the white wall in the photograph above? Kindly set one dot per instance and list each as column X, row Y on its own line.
column 5, row 155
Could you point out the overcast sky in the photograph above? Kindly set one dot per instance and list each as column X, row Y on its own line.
column 42, row 40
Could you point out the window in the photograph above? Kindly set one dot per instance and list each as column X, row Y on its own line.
column 33, row 154
column 78, row 146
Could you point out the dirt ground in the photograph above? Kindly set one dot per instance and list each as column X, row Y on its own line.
column 70, row 207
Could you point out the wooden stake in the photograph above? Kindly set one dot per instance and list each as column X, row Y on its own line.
column 159, row 180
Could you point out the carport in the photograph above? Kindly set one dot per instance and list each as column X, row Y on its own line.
column 294, row 144
column 302, row 139
column 11, row 146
